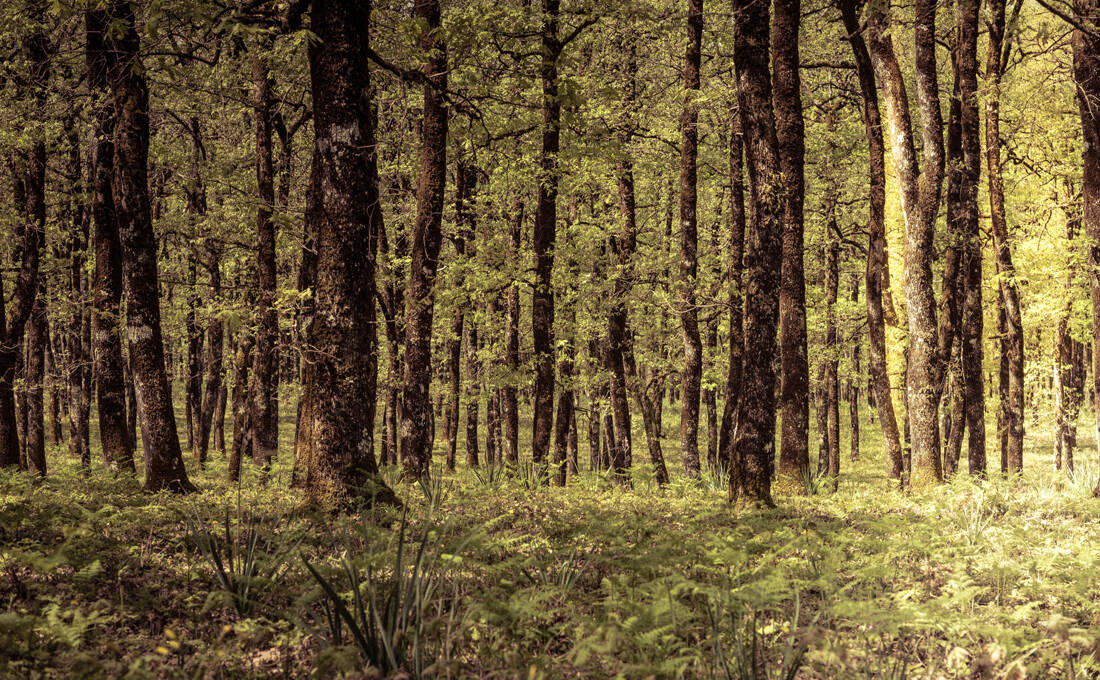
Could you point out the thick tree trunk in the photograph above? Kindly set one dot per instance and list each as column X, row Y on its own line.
column 877, row 263
column 265, row 378
column 920, row 199
column 754, row 448
column 542, row 298
column 1012, row 340
column 416, row 418
column 692, row 374
column 114, row 436
column 163, row 461
column 336, row 437
column 794, row 457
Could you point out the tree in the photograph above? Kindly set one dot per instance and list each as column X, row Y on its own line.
column 691, row 377
column 794, row 456
column 114, row 436
column 920, row 199
column 754, row 447
column 427, row 235
column 336, row 436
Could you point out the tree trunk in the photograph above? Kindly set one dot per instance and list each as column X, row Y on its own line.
column 691, row 377
column 215, row 341
column 34, row 345
column 473, row 395
column 163, row 461
column 78, row 332
column 853, row 379
column 265, row 378
column 920, row 199
column 1012, row 340
column 241, row 411
column 336, row 437
column 753, row 451
column 193, row 379
column 416, row 419
column 832, row 380
column 114, row 436
column 794, row 457
column 511, row 351
column 877, row 262
column 735, row 272
column 542, row 298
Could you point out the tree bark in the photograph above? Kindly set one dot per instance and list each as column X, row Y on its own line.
column 241, row 410
column 114, row 436
column 416, row 419
column 832, row 380
column 265, row 378
column 1012, row 340
column 691, row 377
column 794, row 457
column 336, row 437
column 511, row 350
column 877, row 261
column 542, row 298
column 163, row 461
column 735, row 275
column 920, row 199
column 754, row 448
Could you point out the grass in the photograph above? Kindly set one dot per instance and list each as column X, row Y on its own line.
column 993, row 580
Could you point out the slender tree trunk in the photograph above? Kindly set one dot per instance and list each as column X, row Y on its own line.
column 34, row 345
column 265, row 378
column 215, row 342
column 163, row 461
column 854, row 379
column 753, row 450
column 193, row 379
column 416, row 419
column 336, row 437
column 691, row 377
column 78, row 331
column 542, row 299
column 877, row 285
column 473, row 396
column 735, row 272
column 1012, row 340
column 511, row 351
column 832, row 380
column 794, row 457
column 241, row 411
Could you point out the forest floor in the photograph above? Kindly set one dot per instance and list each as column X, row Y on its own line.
column 504, row 578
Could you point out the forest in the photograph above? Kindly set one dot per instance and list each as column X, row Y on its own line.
column 753, row 340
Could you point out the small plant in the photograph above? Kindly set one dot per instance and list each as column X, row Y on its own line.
column 812, row 482
column 388, row 620
column 532, row 475
column 434, row 489
column 749, row 657
column 246, row 557
column 564, row 578
column 490, row 475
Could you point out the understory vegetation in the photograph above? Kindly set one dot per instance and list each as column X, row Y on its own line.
column 485, row 573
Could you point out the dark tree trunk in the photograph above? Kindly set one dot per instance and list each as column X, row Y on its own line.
column 30, row 204
column 542, row 298
column 754, row 448
column 473, row 395
column 193, row 379
column 215, row 348
column 265, row 378
column 510, row 406
column 34, row 345
column 877, row 262
column 736, row 269
column 465, row 184
column 163, row 461
column 853, row 379
column 114, row 436
column 691, row 376
column 920, row 199
column 336, row 438
column 78, row 332
column 416, row 419
column 794, row 457
column 967, row 61
column 1012, row 339
column 832, row 380
column 241, row 411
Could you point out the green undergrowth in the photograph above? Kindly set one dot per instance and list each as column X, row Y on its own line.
column 490, row 574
